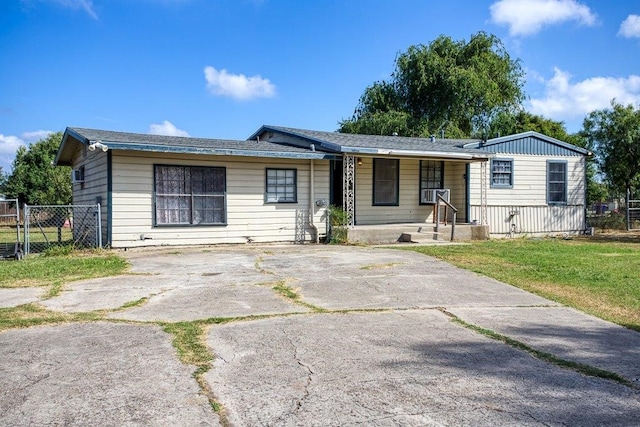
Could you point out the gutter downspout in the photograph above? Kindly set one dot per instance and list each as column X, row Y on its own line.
column 316, row 236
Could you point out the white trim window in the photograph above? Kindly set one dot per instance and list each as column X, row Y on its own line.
column 190, row 195
column 501, row 173
column 556, row 182
column 281, row 186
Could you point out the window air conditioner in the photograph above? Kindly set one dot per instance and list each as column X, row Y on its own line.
column 429, row 195
column 77, row 175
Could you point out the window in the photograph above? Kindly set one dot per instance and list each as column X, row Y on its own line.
column 189, row 195
column 501, row 173
column 431, row 175
column 282, row 186
column 385, row 182
column 556, row 182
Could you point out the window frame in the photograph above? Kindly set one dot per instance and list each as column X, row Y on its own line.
column 278, row 199
column 190, row 196
column 377, row 166
column 564, row 163
column 511, row 173
column 420, row 187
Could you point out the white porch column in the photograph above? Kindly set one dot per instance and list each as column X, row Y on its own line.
column 348, row 189
column 483, row 193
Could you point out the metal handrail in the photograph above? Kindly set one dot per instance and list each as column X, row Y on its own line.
column 439, row 199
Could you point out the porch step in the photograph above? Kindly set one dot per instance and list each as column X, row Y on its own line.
column 414, row 233
column 426, row 235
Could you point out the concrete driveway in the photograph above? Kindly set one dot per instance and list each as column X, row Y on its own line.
column 375, row 337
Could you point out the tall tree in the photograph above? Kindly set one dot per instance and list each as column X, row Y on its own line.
column 34, row 180
column 615, row 135
column 447, row 85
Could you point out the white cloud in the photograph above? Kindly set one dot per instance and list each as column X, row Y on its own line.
column 85, row 5
column 8, row 146
column 630, row 27
column 36, row 135
column 166, row 128
column 564, row 100
column 527, row 17
column 237, row 86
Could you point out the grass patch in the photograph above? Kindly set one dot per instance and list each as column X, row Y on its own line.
column 54, row 271
column 600, row 278
column 24, row 316
column 378, row 266
column 541, row 355
column 189, row 340
column 286, row 291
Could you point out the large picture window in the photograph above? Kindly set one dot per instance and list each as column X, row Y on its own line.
column 556, row 182
column 501, row 173
column 190, row 195
column 282, row 186
column 386, row 177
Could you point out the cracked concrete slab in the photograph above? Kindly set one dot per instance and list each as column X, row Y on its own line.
column 210, row 299
column 412, row 367
column 383, row 278
column 97, row 374
column 565, row 333
column 12, row 297
column 409, row 365
column 107, row 293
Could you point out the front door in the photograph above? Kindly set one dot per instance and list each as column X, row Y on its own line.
column 336, row 193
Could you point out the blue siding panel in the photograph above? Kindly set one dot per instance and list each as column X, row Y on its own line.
column 529, row 145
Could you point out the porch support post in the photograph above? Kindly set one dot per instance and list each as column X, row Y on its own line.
column 348, row 189
column 483, row 193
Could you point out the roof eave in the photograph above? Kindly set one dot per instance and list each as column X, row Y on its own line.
column 218, row 151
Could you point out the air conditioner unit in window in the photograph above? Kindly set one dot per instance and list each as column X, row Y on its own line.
column 77, row 175
column 429, row 195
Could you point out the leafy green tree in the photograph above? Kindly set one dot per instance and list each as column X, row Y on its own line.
column 509, row 123
column 34, row 179
column 451, row 86
column 614, row 134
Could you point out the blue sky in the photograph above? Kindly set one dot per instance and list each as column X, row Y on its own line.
column 222, row 68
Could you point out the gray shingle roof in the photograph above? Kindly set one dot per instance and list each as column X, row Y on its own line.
column 377, row 144
column 179, row 144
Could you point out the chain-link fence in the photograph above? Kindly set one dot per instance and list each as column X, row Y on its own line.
column 633, row 215
column 10, row 245
column 61, row 225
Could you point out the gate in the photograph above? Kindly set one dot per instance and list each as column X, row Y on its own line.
column 79, row 226
column 633, row 215
column 10, row 246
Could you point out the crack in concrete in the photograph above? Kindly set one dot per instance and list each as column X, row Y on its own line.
column 306, row 368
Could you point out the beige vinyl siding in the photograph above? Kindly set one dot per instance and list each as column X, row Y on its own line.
column 527, row 200
column 94, row 187
column 409, row 208
column 249, row 218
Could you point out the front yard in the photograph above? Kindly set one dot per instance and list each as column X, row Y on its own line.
column 600, row 276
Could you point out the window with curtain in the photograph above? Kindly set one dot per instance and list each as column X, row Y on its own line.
column 386, row 177
column 190, row 195
column 281, row 186
column 556, row 182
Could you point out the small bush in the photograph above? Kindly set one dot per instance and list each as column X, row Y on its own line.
column 337, row 221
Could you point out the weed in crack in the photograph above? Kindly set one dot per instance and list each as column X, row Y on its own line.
column 582, row 368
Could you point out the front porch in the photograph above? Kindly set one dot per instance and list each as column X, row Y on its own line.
column 421, row 232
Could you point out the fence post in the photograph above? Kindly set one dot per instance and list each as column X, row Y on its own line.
column 628, row 197
column 26, row 214
column 98, row 226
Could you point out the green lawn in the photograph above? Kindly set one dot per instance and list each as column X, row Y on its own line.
column 598, row 277
column 54, row 271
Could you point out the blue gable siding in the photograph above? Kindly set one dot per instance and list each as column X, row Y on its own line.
column 528, row 145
